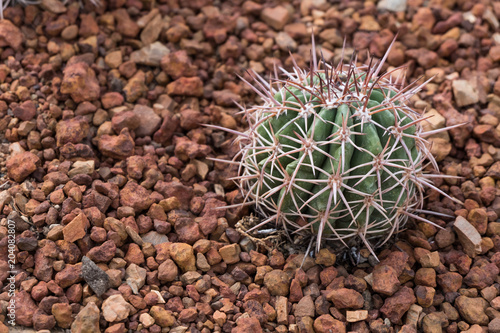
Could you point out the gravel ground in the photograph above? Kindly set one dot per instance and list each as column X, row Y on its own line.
column 106, row 169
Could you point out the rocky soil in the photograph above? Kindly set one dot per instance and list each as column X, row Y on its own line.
column 107, row 172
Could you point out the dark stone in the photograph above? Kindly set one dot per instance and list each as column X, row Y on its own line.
column 96, row 278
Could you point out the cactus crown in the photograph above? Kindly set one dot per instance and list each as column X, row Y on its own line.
column 335, row 153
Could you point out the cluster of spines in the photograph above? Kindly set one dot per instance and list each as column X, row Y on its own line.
column 282, row 169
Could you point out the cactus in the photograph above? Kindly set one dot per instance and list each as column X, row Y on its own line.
column 335, row 153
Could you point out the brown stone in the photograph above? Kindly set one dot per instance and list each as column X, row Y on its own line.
column 80, row 82
column 163, row 318
column 118, row 147
column 425, row 58
column 125, row 24
column 125, row 119
column 425, row 295
column 183, row 256
column 168, row 127
column 135, row 196
column 478, row 217
column 494, row 326
column 70, row 275
column 305, row 307
column 178, row 64
column 21, row 165
column 277, row 282
column 167, row 271
column 112, row 99
column 186, row 86
column 385, row 280
column 230, row 253
column 73, row 130
column 43, row 321
column 426, row 277
column 395, row 306
column 76, row 229
column 276, row 17
column 296, row 293
column 25, row 308
column 188, row 315
column 187, row 229
column 10, row 35
column 472, row 309
column 135, row 87
column 356, row 316
column 344, row 298
column 326, row 323
column 325, row 258
column 25, row 111
column 62, row 313
column 134, row 254
column 482, row 276
column 248, row 324
column 149, row 121
column 103, row 253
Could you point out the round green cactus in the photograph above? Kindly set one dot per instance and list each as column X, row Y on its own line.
column 335, row 153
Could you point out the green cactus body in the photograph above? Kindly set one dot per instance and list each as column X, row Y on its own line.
column 337, row 159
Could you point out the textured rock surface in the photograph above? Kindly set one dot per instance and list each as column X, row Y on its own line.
column 96, row 278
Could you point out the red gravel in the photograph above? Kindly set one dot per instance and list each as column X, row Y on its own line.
column 104, row 155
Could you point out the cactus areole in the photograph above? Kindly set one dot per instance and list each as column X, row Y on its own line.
column 335, row 153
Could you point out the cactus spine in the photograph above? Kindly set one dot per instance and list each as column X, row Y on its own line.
column 335, row 153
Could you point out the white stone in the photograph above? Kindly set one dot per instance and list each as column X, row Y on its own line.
column 135, row 277
column 82, row 167
column 369, row 279
column 491, row 19
column 150, row 55
column 161, row 300
column 434, row 122
column 355, row 316
column 146, row 320
column 15, row 148
column 496, row 38
column 469, row 17
column 465, row 93
column 5, row 198
column 179, row 329
column 468, row 236
column 392, row 5
column 115, row 308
